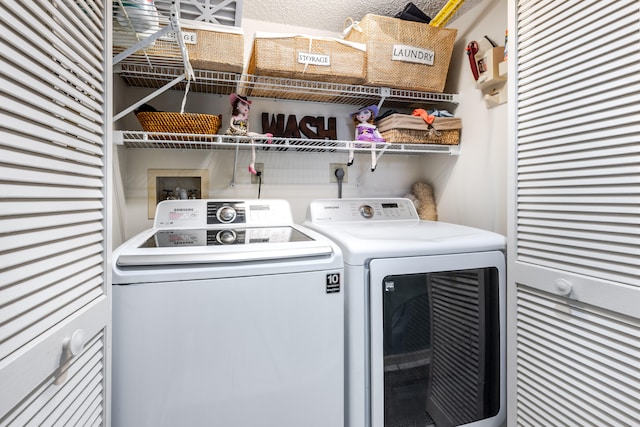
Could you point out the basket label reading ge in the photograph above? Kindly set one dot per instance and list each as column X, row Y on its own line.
column 188, row 37
column 418, row 55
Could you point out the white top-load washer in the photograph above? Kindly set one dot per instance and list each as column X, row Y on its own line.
column 226, row 313
column 425, row 307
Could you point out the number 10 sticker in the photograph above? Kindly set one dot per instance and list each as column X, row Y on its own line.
column 333, row 283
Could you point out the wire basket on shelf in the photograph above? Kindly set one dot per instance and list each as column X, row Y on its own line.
column 173, row 122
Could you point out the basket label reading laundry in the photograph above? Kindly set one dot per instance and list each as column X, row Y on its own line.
column 314, row 59
column 188, row 37
column 402, row 52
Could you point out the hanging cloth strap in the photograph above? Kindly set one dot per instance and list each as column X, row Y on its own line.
column 184, row 98
column 306, row 63
column 350, row 24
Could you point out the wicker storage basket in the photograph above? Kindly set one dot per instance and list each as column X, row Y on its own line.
column 170, row 122
column 308, row 58
column 404, row 128
column 218, row 47
column 210, row 46
column 404, row 54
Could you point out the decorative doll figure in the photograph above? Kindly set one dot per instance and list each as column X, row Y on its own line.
column 363, row 120
column 239, row 125
column 366, row 131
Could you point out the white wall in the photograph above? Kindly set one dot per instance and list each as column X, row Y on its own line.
column 469, row 188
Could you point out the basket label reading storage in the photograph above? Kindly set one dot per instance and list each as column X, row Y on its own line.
column 303, row 57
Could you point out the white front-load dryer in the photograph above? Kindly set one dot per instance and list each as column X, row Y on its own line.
column 424, row 315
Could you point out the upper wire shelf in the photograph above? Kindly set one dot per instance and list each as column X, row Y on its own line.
column 225, row 83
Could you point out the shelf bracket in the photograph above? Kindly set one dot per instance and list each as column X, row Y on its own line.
column 188, row 74
column 235, row 166
column 385, row 92
column 148, row 97
column 141, row 44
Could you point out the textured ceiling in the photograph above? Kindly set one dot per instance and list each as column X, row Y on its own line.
column 329, row 15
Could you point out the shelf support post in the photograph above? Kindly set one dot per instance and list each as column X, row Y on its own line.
column 235, row 166
column 385, row 92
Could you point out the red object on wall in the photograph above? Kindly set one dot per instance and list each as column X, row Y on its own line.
column 472, row 49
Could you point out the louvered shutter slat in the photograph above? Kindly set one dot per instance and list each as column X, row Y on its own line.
column 32, row 408
column 28, row 160
column 575, row 237
column 54, row 118
column 69, row 218
column 590, row 356
column 66, row 29
column 32, row 285
column 41, row 83
column 30, row 57
column 63, row 231
column 39, row 177
column 50, row 249
column 48, row 207
column 26, row 111
column 579, row 140
column 47, row 142
column 44, row 37
column 44, row 192
column 43, row 321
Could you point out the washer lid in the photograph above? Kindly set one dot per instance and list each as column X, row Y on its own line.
column 220, row 245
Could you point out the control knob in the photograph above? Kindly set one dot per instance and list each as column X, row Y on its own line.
column 226, row 214
column 226, row 237
column 366, row 211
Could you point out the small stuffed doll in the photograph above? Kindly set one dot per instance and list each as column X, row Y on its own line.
column 366, row 131
column 239, row 125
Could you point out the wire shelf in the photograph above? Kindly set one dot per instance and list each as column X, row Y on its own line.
column 177, row 141
column 162, row 64
column 224, row 83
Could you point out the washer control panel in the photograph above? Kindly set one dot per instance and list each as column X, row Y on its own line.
column 226, row 213
column 362, row 210
column 202, row 213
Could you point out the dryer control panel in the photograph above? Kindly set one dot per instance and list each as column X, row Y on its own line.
column 362, row 210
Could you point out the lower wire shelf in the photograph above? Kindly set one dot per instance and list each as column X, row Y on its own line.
column 177, row 141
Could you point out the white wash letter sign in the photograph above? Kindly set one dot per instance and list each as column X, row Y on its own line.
column 414, row 54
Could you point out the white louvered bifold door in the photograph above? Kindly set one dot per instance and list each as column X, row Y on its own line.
column 574, row 237
column 53, row 132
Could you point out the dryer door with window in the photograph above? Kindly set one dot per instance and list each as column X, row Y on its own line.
column 437, row 339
